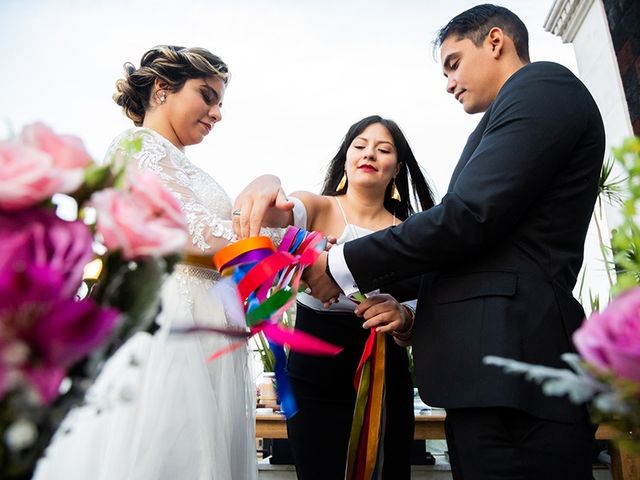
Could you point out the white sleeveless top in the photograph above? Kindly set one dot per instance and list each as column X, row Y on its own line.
column 350, row 232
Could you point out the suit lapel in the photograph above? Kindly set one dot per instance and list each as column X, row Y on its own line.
column 472, row 143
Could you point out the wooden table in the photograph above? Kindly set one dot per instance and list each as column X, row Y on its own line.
column 430, row 426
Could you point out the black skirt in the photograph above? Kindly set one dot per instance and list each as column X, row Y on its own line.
column 325, row 393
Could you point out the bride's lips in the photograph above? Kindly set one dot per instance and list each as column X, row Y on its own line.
column 207, row 126
column 368, row 168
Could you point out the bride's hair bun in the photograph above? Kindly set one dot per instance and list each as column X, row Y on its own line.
column 170, row 64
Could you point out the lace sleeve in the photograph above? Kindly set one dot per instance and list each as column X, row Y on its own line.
column 206, row 206
column 275, row 234
column 201, row 198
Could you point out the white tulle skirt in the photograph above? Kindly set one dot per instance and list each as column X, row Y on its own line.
column 159, row 411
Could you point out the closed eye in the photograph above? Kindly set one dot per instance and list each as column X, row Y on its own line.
column 209, row 96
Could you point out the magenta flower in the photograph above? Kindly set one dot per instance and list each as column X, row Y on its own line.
column 51, row 330
column 610, row 340
column 71, row 330
column 39, row 237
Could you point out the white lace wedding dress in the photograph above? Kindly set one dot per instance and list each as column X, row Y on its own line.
column 159, row 411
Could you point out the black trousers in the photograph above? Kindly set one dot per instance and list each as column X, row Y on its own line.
column 324, row 390
column 509, row 444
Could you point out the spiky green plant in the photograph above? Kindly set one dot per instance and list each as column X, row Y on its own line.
column 625, row 240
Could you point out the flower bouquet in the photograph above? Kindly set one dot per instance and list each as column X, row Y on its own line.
column 85, row 249
column 606, row 373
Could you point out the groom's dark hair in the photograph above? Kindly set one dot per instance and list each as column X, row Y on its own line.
column 476, row 23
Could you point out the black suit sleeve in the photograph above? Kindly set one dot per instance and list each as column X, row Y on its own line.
column 404, row 290
column 534, row 123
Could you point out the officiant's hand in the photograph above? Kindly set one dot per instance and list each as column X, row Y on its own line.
column 385, row 314
column 382, row 312
column 262, row 203
column 321, row 285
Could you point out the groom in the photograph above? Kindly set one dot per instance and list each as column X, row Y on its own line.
column 498, row 257
column 502, row 249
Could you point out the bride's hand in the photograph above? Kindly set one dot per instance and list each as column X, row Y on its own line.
column 261, row 203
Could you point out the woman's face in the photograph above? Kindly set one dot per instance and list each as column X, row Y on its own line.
column 372, row 159
column 194, row 109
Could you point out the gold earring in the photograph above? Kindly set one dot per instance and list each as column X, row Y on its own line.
column 395, row 194
column 343, row 182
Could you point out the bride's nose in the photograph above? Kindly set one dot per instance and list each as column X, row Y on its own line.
column 215, row 113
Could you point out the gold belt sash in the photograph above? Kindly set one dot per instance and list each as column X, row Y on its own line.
column 204, row 261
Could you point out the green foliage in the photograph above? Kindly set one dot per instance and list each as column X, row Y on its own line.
column 610, row 189
column 625, row 240
column 594, row 301
column 262, row 345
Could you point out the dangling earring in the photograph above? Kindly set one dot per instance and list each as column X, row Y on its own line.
column 343, row 182
column 162, row 98
column 395, row 194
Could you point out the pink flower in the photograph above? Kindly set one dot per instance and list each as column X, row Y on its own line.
column 67, row 151
column 38, row 165
column 39, row 237
column 27, row 176
column 610, row 340
column 143, row 220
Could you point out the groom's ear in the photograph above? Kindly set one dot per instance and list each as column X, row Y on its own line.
column 495, row 40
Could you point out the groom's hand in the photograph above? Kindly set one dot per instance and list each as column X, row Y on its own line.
column 261, row 203
column 322, row 286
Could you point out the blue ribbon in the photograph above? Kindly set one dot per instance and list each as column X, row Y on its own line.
column 285, row 391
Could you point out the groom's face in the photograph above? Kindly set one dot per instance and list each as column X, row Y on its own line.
column 471, row 72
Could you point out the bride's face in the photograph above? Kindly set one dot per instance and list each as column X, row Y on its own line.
column 195, row 108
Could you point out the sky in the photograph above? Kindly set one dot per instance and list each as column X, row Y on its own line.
column 302, row 72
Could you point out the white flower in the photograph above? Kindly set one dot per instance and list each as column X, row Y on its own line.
column 21, row 434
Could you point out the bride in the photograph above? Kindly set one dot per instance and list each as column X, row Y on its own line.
column 159, row 410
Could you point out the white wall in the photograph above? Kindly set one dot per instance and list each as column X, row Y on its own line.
column 598, row 69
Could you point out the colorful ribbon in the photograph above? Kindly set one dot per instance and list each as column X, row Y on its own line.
column 266, row 282
column 366, row 441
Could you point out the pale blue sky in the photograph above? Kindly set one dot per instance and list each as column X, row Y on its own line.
column 302, row 72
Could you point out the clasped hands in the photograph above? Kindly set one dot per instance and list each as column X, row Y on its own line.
column 380, row 311
column 264, row 203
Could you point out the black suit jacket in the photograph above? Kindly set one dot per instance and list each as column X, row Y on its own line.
column 502, row 249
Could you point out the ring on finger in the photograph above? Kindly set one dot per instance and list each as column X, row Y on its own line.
column 235, row 212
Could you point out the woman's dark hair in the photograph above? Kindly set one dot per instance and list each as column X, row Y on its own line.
column 174, row 66
column 410, row 171
column 476, row 23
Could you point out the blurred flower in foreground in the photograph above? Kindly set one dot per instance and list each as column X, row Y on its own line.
column 57, row 328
